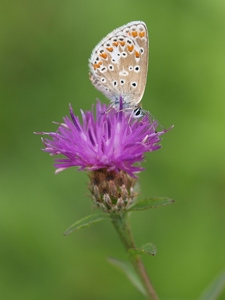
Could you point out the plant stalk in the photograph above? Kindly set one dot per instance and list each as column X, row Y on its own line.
column 121, row 224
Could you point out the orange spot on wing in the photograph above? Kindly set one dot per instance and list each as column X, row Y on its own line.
column 130, row 48
column 122, row 43
column 103, row 55
column 115, row 44
column 96, row 66
column 134, row 33
column 141, row 34
column 110, row 49
column 137, row 54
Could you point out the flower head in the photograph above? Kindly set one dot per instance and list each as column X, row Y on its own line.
column 111, row 140
column 110, row 145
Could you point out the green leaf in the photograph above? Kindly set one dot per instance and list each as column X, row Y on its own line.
column 87, row 221
column 148, row 248
column 215, row 289
column 152, row 202
column 128, row 270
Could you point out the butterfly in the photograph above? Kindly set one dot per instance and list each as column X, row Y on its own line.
column 119, row 65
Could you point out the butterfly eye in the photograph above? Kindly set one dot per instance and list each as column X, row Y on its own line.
column 138, row 112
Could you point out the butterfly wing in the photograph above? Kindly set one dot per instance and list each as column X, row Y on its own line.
column 119, row 63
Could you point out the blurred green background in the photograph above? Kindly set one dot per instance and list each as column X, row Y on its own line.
column 44, row 51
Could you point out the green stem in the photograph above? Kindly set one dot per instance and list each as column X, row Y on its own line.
column 120, row 222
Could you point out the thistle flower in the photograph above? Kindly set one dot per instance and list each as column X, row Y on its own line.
column 110, row 146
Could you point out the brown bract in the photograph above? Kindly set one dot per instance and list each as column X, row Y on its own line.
column 112, row 191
